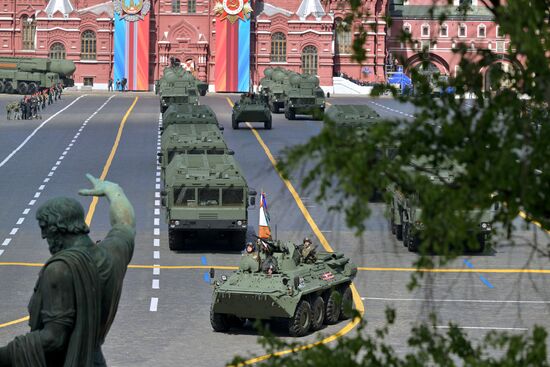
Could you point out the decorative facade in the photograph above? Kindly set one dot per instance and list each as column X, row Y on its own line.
column 303, row 35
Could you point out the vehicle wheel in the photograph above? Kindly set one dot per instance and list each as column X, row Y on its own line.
column 267, row 124
column 399, row 232
column 8, row 87
column 174, row 240
column 410, row 240
column 300, row 323
column 23, row 88
column 203, row 93
column 234, row 124
column 405, row 234
column 1, row 87
column 318, row 313
column 219, row 321
column 392, row 225
column 33, row 88
column 291, row 115
column 347, row 302
column 332, row 314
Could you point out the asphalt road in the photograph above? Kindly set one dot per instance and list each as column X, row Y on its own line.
column 163, row 318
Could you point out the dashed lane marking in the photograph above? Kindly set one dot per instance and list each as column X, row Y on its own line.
column 156, row 284
column 152, row 307
column 1, row 252
column 20, row 220
column 29, row 137
column 14, row 231
column 6, row 242
column 26, row 211
column 156, row 255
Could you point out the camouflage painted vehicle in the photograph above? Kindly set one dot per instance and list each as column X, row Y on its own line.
column 251, row 108
column 406, row 217
column 178, row 94
column 189, row 114
column 303, row 291
column 178, row 85
column 206, row 193
column 28, row 75
column 190, row 139
column 304, row 97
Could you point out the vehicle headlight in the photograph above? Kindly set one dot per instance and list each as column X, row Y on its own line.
column 224, row 278
column 239, row 222
column 486, row 226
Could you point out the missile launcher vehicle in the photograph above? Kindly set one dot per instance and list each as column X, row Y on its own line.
column 189, row 114
column 206, row 193
column 251, row 108
column 273, row 87
column 304, row 97
column 190, row 139
column 357, row 116
column 302, row 289
column 28, row 75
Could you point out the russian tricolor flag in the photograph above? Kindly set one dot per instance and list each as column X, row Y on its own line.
column 264, row 231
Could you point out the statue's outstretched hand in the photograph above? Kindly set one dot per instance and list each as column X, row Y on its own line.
column 100, row 187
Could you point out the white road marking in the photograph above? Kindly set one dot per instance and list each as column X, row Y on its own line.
column 158, row 174
column 41, row 187
column 484, row 328
column 57, row 163
column 156, row 242
column 156, row 232
column 154, row 304
column 156, row 284
column 157, row 179
column 1, row 252
column 26, row 211
column 157, row 211
column 156, row 269
column 35, row 131
column 46, row 180
column 32, row 202
column 20, row 220
column 157, row 194
column 54, row 168
column 61, row 157
column 453, row 300
column 156, row 255
column 14, row 231
column 36, row 195
column 6, row 242
column 157, row 202
column 157, row 186
column 156, row 222
column 50, row 174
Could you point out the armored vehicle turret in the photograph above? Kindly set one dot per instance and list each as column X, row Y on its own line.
column 287, row 283
column 251, row 108
column 189, row 114
column 206, row 193
column 190, row 139
column 27, row 75
column 304, row 97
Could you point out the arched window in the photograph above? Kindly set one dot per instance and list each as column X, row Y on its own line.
column 278, row 47
column 343, row 37
column 57, row 51
column 407, row 28
column 481, row 31
column 309, row 60
column 444, row 31
column 88, row 46
column 462, row 30
column 28, row 29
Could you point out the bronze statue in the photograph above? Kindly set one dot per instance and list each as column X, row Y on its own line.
column 78, row 289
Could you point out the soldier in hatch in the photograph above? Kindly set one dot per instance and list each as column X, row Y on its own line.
column 308, row 251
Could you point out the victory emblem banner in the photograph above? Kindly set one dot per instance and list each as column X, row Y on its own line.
column 232, row 69
column 131, row 60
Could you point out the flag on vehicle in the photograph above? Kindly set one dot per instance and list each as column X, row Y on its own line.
column 264, row 229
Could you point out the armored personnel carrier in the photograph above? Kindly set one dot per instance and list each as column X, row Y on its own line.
column 406, row 215
column 28, row 75
column 251, row 108
column 303, row 292
column 304, row 97
column 189, row 114
column 206, row 193
column 190, row 139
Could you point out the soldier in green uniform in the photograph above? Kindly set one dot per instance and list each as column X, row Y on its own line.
column 308, row 251
column 78, row 289
column 9, row 109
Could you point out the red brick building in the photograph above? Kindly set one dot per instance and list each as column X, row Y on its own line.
column 302, row 35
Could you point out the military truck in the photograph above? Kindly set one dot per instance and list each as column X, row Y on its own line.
column 28, row 75
column 273, row 87
column 206, row 193
column 406, row 216
column 356, row 116
column 304, row 292
column 251, row 108
column 189, row 114
column 178, row 93
column 304, row 97
column 190, row 139
column 178, row 82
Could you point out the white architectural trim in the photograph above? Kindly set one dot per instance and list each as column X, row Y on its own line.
column 57, row 28
column 479, row 27
column 310, row 31
column 422, row 27
column 446, row 27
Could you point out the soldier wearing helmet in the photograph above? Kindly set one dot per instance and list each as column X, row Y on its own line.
column 308, row 251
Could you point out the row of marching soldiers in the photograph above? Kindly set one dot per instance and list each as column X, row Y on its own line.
column 30, row 107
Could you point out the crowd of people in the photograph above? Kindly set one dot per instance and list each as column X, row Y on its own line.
column 352, row 79
column 31, row 106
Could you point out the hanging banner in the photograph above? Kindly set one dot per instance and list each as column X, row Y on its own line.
column 232, row 69
column 131, row 62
